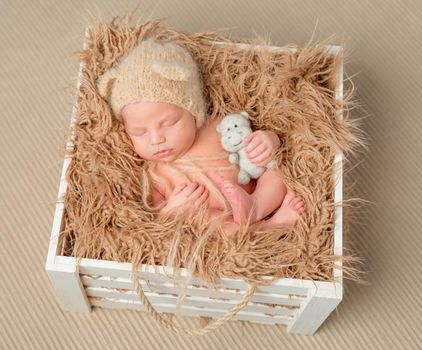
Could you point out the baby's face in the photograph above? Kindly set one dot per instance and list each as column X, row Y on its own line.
column 159, row 131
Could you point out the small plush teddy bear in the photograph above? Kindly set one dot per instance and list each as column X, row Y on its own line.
column 233, row 129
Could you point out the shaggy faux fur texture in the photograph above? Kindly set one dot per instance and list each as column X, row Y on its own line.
column 108, row 212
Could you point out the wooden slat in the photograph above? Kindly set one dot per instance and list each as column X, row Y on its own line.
column 169, row 288
column 201, row 302
column 191, row 311
column 112, row 269
column 158, row 274
column 338, row 190
column 54, row 237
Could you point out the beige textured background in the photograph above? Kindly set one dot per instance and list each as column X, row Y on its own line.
column 37, row 39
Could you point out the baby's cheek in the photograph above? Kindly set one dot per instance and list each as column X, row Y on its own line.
column 140, row 148
column 184, row 137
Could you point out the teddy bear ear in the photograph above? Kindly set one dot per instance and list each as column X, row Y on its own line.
column 245, row 114
column 106, row 81
column 171, row 71
column 218, row 128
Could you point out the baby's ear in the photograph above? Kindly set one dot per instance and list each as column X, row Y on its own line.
column 171, row 71
column 106, row 81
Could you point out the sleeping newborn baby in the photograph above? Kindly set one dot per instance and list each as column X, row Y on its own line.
column 155, row 91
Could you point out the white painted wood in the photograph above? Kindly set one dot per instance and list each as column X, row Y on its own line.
column 63, row 182
column 65, row 279
column 338, row 217
column 54, row 236
column 315, row 311
column 68, row 288
column 204, row 302
column 171, row 289
column 331, row 49
column 338, row 191
column 69, row 145
column 157, row 273
column 192, row 311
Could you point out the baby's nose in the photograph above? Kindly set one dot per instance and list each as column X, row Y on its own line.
column 157, row 137
column 158, row 141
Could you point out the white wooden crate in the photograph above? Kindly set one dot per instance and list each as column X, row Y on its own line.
column 301, row 305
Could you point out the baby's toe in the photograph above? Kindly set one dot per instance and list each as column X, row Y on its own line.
column 296, row 200
column 299, row 205
column 289, row 197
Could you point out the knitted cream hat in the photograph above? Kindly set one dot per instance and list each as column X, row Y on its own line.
column 155, row 72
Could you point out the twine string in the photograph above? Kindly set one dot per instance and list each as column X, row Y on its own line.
column 196, row 331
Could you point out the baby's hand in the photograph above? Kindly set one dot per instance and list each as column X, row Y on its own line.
column 186, row 197
column 262, row 145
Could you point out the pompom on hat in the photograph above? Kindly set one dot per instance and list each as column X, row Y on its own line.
column 155, row 71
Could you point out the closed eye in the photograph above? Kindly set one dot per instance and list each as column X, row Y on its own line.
column 139, row 133
column 171, row 122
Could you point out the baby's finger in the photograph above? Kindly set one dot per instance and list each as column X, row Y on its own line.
column 254, row 143
column 262, row 163
column 179, row 188
column 203, row 197
column 248, row 138
column 190, row 188
column 261, row 158
column 256, row 151
column 197, row 192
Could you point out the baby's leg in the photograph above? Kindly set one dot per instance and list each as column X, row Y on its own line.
column 268, row 195
column 287, row 215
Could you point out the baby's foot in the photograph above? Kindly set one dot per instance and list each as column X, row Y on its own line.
column 288, row 213
column 239, row 199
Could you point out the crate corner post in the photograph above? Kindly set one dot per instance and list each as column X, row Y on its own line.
column 316, row 309
column 68, row 287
